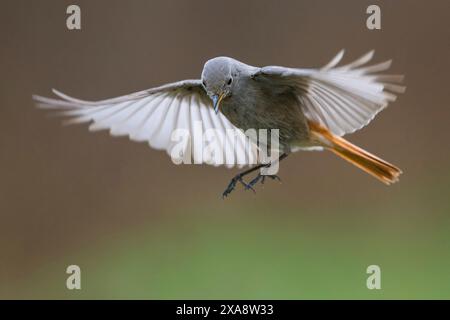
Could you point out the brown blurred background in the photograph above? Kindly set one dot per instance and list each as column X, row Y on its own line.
column 68, row 196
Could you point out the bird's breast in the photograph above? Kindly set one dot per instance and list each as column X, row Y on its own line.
column 253, row 107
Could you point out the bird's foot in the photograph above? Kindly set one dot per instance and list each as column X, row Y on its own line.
column 232, row 185
column 262, row 178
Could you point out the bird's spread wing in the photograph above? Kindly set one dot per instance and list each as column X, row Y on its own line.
column 343, row 99
column 154, row 115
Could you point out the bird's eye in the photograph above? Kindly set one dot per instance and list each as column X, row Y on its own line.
column 229, row 81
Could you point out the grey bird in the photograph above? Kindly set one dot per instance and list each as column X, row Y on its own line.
column 311, row 108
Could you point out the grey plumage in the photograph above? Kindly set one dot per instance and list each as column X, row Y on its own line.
column 254, row 101
column 342, row 99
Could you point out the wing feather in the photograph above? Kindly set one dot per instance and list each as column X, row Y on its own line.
column 153, row 115
column 343, row 99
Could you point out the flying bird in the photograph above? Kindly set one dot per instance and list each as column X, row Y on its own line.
column 311, row 108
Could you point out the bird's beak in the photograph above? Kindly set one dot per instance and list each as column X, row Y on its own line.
column 216, row 101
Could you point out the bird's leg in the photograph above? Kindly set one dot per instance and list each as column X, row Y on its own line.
column 262, row 177
column 238, row 177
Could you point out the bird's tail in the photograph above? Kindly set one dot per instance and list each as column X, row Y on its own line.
column 380, row 169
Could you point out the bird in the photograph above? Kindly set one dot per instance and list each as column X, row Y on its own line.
column 311, row 109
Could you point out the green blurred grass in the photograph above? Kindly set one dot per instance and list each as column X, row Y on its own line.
column 266, row 252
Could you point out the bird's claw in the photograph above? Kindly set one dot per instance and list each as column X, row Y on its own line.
column 232, row 186
column 262, row 178
column 247, row 186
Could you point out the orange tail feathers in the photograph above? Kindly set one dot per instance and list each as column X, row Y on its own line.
column 380, row 169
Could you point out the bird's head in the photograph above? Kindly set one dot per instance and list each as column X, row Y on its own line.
column 218, row 79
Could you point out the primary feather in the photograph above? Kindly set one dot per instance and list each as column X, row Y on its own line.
column 153, row 115
column 343, row 99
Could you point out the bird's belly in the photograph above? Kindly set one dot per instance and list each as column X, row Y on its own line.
column 286, row 117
